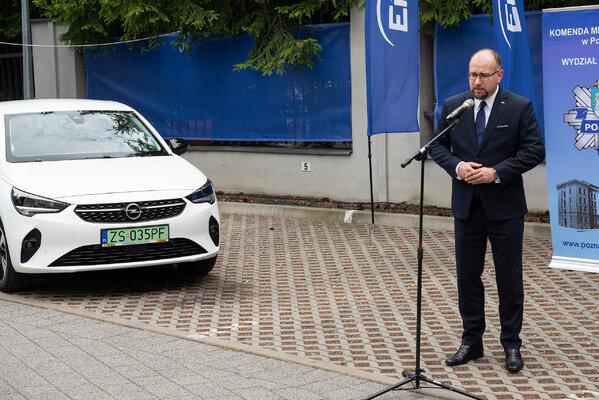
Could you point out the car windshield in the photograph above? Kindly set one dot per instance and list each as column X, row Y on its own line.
column 69, row 135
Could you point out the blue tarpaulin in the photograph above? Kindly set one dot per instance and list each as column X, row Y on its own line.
column 202, row 98
column 453, row 49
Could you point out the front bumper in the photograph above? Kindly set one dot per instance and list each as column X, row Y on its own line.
column 70, row 244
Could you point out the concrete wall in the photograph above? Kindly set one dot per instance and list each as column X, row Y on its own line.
column 346, row 177
column 338, row 177
column 58, row 72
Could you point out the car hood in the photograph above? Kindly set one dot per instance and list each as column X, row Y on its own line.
column 72, row 178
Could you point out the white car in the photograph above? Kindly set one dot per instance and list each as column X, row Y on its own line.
column 90, row 185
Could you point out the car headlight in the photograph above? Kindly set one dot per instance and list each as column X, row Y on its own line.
column 205, row 194
column 28, row 204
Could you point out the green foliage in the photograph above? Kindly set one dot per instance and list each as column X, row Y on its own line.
column 279, row 42
column 449, row 13
column 281, row 51
column 283, row 39
column 101, row 21
column 10, row 19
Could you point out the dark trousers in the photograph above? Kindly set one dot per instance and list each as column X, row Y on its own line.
column 470, row 247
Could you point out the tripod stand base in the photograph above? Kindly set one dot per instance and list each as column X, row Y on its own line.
column 415, row 379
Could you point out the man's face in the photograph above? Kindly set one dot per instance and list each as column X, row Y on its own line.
column 481, row 65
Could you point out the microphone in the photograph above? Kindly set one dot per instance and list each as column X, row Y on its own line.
column 458, row 111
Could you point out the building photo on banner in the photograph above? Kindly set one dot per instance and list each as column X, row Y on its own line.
column 571, row 110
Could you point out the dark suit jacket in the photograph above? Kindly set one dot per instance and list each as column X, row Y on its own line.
column 512, row 145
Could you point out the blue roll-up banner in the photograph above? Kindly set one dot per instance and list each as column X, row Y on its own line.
column 511, row 42
column 571, row 89
column 202, row 98
column 392, row 67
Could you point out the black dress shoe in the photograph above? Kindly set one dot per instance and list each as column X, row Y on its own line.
column 513, row 360
column 465, row 353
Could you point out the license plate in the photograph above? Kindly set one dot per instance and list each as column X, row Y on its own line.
column 129, row 236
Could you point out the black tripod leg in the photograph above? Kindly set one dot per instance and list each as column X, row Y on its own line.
column 422, row 378
column 444, row 386
column 394, row 387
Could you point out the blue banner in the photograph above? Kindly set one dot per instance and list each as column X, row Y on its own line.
column 452, row 50
column 511, row 42
column 392, row 67
column 571, row 87
column 202, row 98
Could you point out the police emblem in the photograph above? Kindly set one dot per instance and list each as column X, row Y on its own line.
column 584, row 117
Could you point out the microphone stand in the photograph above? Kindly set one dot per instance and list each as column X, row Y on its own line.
column 416, row 378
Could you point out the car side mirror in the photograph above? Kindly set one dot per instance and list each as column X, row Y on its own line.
column 178, row 145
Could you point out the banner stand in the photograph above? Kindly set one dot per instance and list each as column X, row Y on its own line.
column 571, row 110
column 576, row 264
column 371, row 186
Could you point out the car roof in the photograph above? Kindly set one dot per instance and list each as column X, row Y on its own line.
column 42, row 105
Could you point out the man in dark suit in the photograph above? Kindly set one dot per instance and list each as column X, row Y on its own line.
column 486, row 154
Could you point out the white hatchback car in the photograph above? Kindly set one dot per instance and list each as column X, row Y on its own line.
column 90, row 185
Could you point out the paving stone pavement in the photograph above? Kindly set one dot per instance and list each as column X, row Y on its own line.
column 50, row 355
column 334, row 294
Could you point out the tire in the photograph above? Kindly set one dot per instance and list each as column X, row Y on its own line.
column 10, row 280
column 202, row 267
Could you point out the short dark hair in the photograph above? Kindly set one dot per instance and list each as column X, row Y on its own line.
column 495, row 55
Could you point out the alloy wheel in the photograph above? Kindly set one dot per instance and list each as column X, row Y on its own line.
column 3, row 254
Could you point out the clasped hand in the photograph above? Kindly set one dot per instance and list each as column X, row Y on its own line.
column 475, row 173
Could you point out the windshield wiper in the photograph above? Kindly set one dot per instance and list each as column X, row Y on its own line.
column 148, row 153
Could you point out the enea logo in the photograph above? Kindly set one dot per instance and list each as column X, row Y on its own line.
column 392, row 16
column 509, row 19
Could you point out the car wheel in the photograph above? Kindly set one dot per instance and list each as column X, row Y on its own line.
column 10, row 281
column 202, row 267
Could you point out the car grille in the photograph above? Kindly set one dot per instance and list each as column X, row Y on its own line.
column 97, row 255
column 113, row 213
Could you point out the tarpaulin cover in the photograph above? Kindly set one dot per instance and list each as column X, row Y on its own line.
column 202, row 98
column 392, row 73
column 453, row 49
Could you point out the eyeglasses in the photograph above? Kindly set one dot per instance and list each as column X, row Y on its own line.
column 483, row 77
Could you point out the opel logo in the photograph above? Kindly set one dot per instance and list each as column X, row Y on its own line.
column 133, row 211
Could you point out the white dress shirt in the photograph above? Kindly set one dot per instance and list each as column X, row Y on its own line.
column 489, row 102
